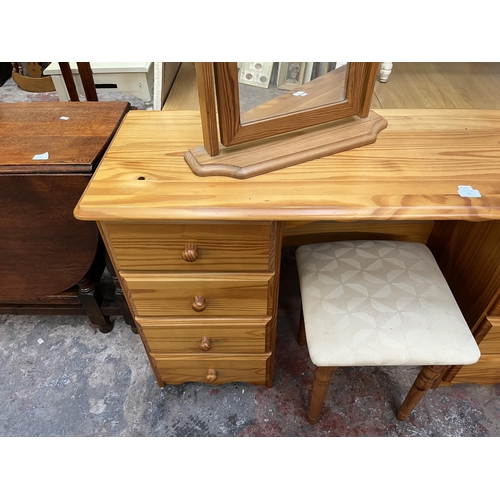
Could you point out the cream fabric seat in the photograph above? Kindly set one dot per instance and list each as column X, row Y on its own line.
column 373, row 303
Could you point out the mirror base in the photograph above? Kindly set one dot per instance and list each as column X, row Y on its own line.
column 268, row 155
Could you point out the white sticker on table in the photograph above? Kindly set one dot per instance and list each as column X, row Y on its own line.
column 42, row 156
column 468, row 192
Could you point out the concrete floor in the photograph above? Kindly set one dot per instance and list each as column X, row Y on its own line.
column 59, row 377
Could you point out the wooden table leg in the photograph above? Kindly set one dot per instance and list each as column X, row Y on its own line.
column 119, row 296
column 90, row 299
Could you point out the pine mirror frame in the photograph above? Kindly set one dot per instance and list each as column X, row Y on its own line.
column 294, row 135
column 360, row 84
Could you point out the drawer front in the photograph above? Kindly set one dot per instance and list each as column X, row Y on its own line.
column 491, row 343
column 191, row 247
column 212, row 369
column 191, row 294
column 485, row 371
column 214, row 336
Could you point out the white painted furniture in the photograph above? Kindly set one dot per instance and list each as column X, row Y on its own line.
column 385, row 71
column 135, row 78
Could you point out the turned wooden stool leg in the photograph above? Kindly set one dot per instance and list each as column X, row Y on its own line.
column 301, row 339
column 90, row 299
column 422, row 384
column 320, row 386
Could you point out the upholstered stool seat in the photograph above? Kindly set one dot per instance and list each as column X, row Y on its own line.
column 376, row 303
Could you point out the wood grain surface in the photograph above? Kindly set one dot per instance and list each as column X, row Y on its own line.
column 225, row 294
column 230, row 368
column 208, row 108
column 272, row 154
column 469, row 256
column 411, row 172
column 491, row 342
column 460, row 85
column 184, row 91
column 220, row 247
column 184, row 335
column 486, row 371
column 44, row 249
column 74, row 145
column 305, row 233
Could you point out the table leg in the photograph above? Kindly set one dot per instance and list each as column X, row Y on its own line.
column 90, row 298
column 119, row 295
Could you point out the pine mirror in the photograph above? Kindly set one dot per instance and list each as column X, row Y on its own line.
column 260, row 117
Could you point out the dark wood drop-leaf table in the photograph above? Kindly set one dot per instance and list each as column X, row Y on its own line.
column 51, row 263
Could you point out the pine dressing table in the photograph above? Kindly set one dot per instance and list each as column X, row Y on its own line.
column 199, row 257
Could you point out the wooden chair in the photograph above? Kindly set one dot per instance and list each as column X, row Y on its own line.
column 87, row 81
column 379, row 303
column 89, row 88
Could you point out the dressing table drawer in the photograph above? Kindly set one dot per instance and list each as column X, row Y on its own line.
column 191, row 247
column 212, row 369
column 208, row 335
column 193, row 294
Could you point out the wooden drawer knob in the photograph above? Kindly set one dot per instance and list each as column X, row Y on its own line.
column 199, row 303
column 205, row 344
column 212, row 375
column 190, row 252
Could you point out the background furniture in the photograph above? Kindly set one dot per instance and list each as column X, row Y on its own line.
column 135, row 78
column 86, row 78
column 151, row 210
column 30, row 76
column 378, row 303
column 148, row 81
column 50, row 262
column 385, row 71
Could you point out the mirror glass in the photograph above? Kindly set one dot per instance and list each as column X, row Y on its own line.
column 269, row 89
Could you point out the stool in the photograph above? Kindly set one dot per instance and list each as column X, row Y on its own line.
column 379, row 303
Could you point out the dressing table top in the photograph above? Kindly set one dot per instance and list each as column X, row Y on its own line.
column 413, row 171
